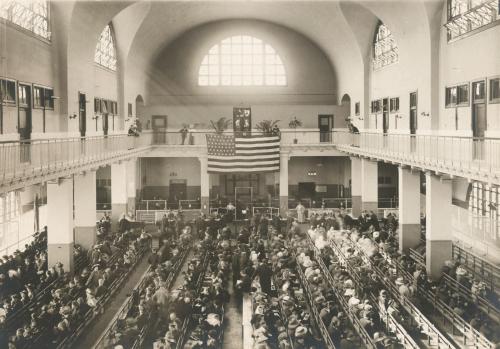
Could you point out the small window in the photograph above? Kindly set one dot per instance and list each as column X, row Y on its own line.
column 104, row 106
column 38, row 97
column 478, row 92
column 23, row 95
column 130, row 109
column 394, row 105
column 376, row 106
column 463, row 94
column 8, row 91
column 97, row 105
column 356, row 108
column 451, row 96
column 114, row 108
column 495, row 90
column 48, row 97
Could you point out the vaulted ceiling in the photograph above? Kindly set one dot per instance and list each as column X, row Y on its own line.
column 342, row 29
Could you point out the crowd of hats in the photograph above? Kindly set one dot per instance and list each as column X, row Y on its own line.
column 386, row 256
column 191, row 316
column 55, row 317
column 143, row 310
column 281, row 316
column 365, row 296
column 329, row 309
column 206, row 325
column 23, row 274
column 380, row 246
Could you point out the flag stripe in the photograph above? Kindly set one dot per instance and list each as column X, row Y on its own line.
column 255, row 151
column 258, row 146
column 246, row 157
column 244, row 163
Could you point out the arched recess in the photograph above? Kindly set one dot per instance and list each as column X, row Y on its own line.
column 140, row 112
column 345, row 102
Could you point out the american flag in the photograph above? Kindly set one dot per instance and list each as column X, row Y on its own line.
column 227, row 154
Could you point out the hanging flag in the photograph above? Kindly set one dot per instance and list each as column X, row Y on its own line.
column 228, row 154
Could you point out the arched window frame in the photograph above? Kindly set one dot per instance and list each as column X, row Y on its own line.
column 242, row 60
column 385, row 49
column 31, row 15
column 105, row 51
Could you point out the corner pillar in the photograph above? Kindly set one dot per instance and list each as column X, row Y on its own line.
column 204, row 185
column 356, row 186
column 284, row 158
column 60, row 240
column 85, row 209
column 438, row 211
column 119, row 195
column 409, row 209
column 369, row 185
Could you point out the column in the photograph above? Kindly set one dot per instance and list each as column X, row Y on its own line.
column 204, row 184
column 284, row 158
column 409, row 209
column 438, row 213
column 356, row 186
column 131, row 186
column 60, row 223
column 369, row 185
column 85, row 209
column 119, row 195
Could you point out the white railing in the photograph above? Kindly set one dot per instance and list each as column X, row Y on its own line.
column 37, row 157
column 465, row 155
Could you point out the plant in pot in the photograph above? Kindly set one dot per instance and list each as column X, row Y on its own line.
column 267, row 126
column 220, row 125
column 294, row 123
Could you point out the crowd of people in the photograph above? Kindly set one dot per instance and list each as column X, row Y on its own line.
column 58, row 313
column 379, row 245
column 22, row 273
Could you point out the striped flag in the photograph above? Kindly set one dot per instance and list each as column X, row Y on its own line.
column 228, row 154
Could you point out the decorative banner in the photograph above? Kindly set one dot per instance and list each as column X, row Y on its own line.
column 242, row 121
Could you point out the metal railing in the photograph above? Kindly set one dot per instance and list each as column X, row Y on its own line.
column 479, row 267
column 447, row 153
column 38, row 157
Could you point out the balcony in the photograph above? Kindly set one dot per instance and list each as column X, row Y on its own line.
column 29, row 162
column 474, row 158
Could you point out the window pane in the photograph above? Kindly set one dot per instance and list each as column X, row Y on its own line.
column 105, row 52
column 242, row 60
column 385, row 50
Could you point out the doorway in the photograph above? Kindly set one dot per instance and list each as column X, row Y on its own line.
column 159, row 129
column 479, row 121
column 82, row 113
column 325, row 125
column 385, row 115
column 413, row 120
column 177, row 190
column 25, row 122
column 306, row 190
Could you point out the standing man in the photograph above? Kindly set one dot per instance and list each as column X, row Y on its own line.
column 301, row 210
column 184, row 131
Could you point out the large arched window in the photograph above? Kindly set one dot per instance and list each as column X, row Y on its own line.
column 105, row 51
column 242, row 61
column 385, row 50
column 30, row 15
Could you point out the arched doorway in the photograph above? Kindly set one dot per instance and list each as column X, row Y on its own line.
column 139, row 112
column 345, row 102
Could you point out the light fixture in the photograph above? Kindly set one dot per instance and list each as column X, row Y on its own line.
column 425, row 114
column 95, row 117
column 72, row 116
column 312, row 173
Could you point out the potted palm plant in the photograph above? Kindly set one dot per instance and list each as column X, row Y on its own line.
column 294, row 123
column 220, row 125
column 266, row 126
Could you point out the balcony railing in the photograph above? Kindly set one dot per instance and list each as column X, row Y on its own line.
column 472, row 157
column 478, row 158
column 198, row 137
column 38, row 157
